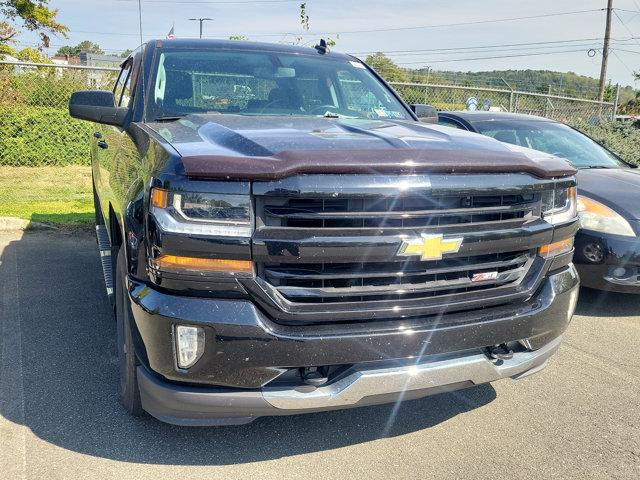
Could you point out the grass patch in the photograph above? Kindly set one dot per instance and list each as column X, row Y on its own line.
column 62, row 196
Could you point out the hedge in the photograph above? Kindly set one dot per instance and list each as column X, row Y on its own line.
column 620, row 137
column 38, row 136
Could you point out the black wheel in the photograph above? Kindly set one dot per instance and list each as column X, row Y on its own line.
column 128, row 392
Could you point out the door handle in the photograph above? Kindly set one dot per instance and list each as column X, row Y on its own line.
column 103, row 144
column 97, row 134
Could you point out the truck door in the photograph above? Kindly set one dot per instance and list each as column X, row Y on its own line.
column 107, row 140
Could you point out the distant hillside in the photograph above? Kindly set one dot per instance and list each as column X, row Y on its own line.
column 569, row 84
column 543, row 81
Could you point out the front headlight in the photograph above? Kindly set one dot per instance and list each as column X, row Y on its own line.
column 559, row 205
column 202, row 213
column 600, row 218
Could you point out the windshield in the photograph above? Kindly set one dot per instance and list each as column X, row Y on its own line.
column 554, row 138
column 268, row 83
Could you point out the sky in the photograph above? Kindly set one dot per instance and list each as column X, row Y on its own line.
column 465, row 35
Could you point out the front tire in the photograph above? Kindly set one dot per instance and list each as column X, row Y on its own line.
column 128, row 391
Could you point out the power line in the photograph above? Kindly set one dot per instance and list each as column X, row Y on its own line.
column 634, row 36
column 624, row 64
column 450, row 50
column 628, row 51
column 519, row 47
column 493, row 50
column 482, row 46
column 475, row 22
column 211, row 2
column 392, row 29
column 487, row 58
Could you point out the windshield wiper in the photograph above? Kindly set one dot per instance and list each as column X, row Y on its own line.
column 590, row 167
column 169, row 118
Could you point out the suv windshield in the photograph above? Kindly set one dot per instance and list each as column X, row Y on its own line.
column 268, row 83
column 554, row 138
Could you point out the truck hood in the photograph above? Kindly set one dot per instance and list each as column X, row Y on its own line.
column 271, row 147
column 617, row 188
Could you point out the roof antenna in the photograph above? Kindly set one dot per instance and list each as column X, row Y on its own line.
column 322, row 48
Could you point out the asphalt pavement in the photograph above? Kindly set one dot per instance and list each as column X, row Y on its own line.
column 59, row 416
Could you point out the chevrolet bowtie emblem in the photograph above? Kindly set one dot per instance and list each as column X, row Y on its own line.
column 429, row 247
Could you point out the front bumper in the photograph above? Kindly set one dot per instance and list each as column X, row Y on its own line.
column 386, row 361
column 359, row 386
column 608, row 262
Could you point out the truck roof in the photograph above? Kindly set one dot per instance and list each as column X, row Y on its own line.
column 242, row 45
column 482, row 115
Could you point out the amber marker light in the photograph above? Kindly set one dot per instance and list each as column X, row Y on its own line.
column 556, row 248
column 159, row 197
column 173, row 263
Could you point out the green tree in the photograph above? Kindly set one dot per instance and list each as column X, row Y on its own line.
column 126, row 53
column 238, row 37
column 7, row 50
column 386, row 67
column 84, row 46
column 34, row 15
column 31, row 54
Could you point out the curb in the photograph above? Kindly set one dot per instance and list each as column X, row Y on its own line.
column 13, row 224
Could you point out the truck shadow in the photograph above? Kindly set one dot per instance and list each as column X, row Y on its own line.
column 596, row 303
column 58, row 370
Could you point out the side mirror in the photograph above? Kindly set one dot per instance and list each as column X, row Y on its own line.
column 97, row 106
column 425, row 113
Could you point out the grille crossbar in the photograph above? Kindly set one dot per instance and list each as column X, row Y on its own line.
column 332, row 281
column 398, row 211
column 343, row 282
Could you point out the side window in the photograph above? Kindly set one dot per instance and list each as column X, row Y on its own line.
column 122, row 85
column 127, row 90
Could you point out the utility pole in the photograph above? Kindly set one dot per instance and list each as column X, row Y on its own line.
column 201, row 20
column 605, row 51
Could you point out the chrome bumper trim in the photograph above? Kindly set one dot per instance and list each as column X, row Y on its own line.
column 363, row 383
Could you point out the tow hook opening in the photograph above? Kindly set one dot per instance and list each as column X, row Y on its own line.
column 314, row 376
column 499, row 352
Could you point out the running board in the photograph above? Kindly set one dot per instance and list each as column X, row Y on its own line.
column 104, row 245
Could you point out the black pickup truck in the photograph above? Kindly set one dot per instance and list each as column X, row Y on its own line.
column 281, row 234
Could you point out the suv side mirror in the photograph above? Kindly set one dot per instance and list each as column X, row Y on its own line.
column 425, row 113
column 97, row 106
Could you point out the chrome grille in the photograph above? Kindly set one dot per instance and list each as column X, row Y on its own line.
column 378, row 281
column 399, row 212
column 327, row 249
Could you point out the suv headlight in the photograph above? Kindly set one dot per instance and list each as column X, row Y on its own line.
column 560, row 205
column 599, row 218
column 198, row 213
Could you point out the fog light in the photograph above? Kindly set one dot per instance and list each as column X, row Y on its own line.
column 189, row 345
column 619, row 272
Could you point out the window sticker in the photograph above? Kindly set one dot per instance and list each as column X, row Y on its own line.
column 357, row 64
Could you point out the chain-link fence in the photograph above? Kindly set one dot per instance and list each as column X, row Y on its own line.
column 44, row 154
column 35, row 127
column 454, row 97
column 36, row 130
